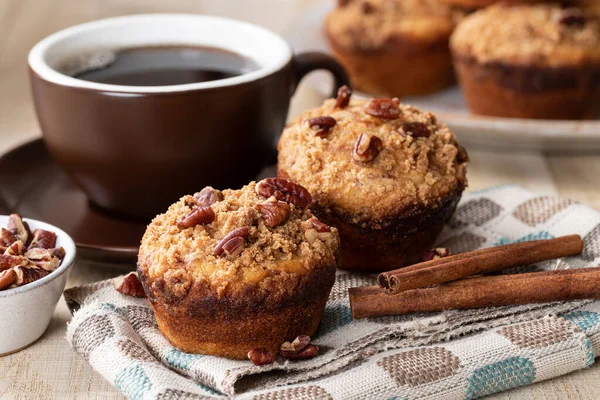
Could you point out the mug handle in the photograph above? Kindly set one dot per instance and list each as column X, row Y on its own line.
column 310, row 61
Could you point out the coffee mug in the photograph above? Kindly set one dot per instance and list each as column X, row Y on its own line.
column 136, row 149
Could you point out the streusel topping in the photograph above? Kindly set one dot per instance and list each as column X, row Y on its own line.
column 543, row 34
column 186, row 255
column 370, row 24
column 380, row 159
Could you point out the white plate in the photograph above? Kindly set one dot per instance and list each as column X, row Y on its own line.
column 449, row 106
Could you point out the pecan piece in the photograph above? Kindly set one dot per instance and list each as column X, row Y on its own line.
column 318, row 225
column 344, row 94
column 434, row 254
column 321, row 125
column 59, row 252
column 383, row 108
column 416, row 129
column 309, row 351
column 17, row 227
column 198, row 216
column 297, row 345
column 284, row 190
column 7, row 238
column 43, row 258
column 15, row 249
column 233, row 247
column 366, row 148
column 28, row 274
column 572, row 17
column 8, row 261
column 261, row 356
column 130, row 285
column 7, row 278
column 43, row 239
column 275, row 213
column 241, row 233
column 208, row 196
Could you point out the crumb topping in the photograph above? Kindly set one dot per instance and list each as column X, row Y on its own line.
column 543, row 34
column 419, row 160
column 183, row 257
column 371, row 24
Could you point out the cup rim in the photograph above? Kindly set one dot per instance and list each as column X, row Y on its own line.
column 70, row 252
column 38, row 64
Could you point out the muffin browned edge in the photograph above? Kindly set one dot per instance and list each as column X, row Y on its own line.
column 232, row 325
column 394, row 242
column 377, row 70
column 528, row 91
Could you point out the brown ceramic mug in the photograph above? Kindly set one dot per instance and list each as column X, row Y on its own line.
column 136, row 149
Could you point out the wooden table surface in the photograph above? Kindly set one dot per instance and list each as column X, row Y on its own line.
column 50, row 369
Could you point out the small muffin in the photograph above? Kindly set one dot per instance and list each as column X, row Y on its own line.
column 227, row 272
column 485, row 3
column 393, row 47
column 529, row 61
column 387, row 175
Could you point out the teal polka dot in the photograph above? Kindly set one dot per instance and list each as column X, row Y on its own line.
column 499, row 376
column 179, row 359
column 583, row 319
column 133, row 382
column 532, row 236
column 334, row 318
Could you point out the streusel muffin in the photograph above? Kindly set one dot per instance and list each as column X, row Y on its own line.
column 529, row 61
column 227, row 272
column 393, row 47
column 387, row 175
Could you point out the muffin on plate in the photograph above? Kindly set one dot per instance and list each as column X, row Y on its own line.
column 230, row 271
column 393, row 47
column 529, row 61
column 387, row 175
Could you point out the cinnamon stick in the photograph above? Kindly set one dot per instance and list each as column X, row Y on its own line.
column 479, row 262
column 487, row 291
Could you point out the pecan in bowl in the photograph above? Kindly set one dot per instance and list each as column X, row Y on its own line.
column 35, row 259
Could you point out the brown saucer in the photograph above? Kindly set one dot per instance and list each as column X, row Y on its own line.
column 35, row 187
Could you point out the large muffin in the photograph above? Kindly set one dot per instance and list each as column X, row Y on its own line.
column 265, row 283
column 387, row 175
column 393, row 47
column 529, row 61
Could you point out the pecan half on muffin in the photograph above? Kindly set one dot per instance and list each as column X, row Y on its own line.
column 529, row 61
column 227, row 272
column 387, row 175
column 393, row 47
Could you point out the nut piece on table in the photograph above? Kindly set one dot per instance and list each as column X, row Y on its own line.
column 208, row 196
column 309, row 352
column 366, row 148
column 284, row 190
column 261, row 356
column 435, row 254
column 198, row 216
column 297, row 345
column 274, row 213
column 130, row 285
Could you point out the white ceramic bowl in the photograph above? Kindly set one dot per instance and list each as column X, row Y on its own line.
column 25, row 311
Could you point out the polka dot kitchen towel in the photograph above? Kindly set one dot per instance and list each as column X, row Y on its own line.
column 448, row 355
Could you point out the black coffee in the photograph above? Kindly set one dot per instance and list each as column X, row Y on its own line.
column 170, row 65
